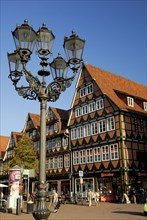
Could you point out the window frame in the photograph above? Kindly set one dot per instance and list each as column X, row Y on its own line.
column 97, row 153
column 105, row 153
column 114, row 152
column 75, row 157
column 130, row 101
column 145, row 106
column 89, row 155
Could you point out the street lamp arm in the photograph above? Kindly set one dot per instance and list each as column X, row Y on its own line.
column 33, row 81
column 26, row 92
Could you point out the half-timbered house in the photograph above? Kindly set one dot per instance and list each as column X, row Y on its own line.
column 108, row 130
column 58, row 152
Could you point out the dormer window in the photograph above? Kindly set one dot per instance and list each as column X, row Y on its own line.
column 130, row 101
column 145, row 106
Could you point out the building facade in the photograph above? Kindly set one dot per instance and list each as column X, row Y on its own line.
column 58, row 152
column 108, row 131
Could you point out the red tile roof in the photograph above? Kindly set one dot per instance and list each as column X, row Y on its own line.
column 109, row 83
column 60, row 113
column 3, row 144
column 36, row 119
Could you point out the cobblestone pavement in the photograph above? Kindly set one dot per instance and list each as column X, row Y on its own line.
column 104, row 211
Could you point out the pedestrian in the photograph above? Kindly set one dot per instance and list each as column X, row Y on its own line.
column 55, row 200
column 97, row 198
column 126, row 198
column 1, row 195
column 90, row 197
column 145, row 208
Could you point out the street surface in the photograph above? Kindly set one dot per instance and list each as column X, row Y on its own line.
column 104, row 211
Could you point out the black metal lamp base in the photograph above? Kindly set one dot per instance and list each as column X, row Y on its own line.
column 41, row 214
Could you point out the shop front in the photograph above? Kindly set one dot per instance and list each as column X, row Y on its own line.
column 62, row 186
column 108, row 185
column 82, row 186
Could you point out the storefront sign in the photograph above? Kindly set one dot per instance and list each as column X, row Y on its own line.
column 107, row 174
column 142, row 174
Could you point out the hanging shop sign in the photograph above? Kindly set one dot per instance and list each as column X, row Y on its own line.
column 107, row 174
column 80, row 173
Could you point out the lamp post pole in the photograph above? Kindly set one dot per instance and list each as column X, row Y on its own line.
column 26, row 39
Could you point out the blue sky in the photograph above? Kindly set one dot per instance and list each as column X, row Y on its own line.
column 116, row 40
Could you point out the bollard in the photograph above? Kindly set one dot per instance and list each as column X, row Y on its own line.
column 30, row 207
column 18, row 206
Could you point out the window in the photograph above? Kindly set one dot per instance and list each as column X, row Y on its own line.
column 53, row 143
column 65, row 141
column 86, row 90
column 102, row 126
column 66, row 160
column 73, row 134
column 58, row 142
column 50, row 115
column 77, row 112
column 105, row 153
column 47, row 130
column 110, row 124
column 130, row 101
column 60, row 162
column 47, row 165
column 75, row 157
column 84, row 109
column 82, row 157
column 82, row 92
column 94, row 128
column 145, row 106
column 97, row 154
column 55, row 162
column 114, row 152
column 34, row 132
column 99, row 104
column 89, row 155
column 48, row 145
column 87, row 130
column 56, row 127
column 30, row 122
column 80, row 132
column 89, row 88
column 51, row 129
column 92, row 107
column 51, row 163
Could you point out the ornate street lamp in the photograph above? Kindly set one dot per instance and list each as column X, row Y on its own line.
column 26, row 39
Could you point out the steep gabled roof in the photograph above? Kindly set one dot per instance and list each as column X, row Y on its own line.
column 17, row 136
column 110, row 84
column 36, row 119
column 3, row 145
column 60, row 113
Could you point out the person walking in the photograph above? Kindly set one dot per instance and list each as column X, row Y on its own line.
column 145, row 208
column 97, row 198
column 55, row 200
column 90, row 197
